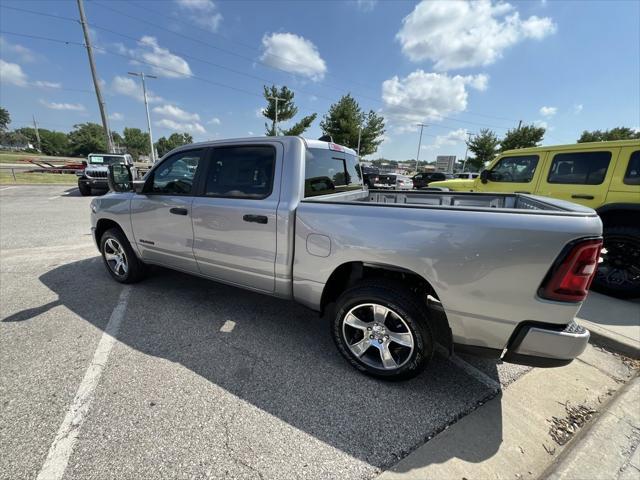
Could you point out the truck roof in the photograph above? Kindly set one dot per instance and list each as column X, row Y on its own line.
column 573, row 146
column 310, row 143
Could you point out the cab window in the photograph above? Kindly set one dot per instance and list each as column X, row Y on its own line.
column 514, row 169
column 329, row 171
column 632, row 175
column 174, row 176
column 581, row 168
column 241, row 172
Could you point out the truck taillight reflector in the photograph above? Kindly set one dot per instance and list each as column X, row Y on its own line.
column 570, row 279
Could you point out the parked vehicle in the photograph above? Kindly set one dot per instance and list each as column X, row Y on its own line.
column 394, row 272
column 403, row 183
column 394, row 181
column 604, row 176
column 370, row 176
column 421, row 180
column 94, row 176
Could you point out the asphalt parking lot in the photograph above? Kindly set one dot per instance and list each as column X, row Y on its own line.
column 202, row 381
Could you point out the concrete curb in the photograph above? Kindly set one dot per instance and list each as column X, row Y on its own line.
column 609, row 447
column 610, row 340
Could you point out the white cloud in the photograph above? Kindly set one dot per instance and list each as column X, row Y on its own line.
column 12, row 74
column 577, row 108
column 462, row 34
column 116, row 116
column 192, row 127
column 129, row 87
column 454, row 137
column 176, row 113
column 214, row 121
column 259, row 112
column 366, row 5
column 250, row 133
column 203, row 13
column 548, row 111
column 44, row 84
column 425, row 96
column 293, row 53
column 76, row 107
column 22, row 52
column 161, row 61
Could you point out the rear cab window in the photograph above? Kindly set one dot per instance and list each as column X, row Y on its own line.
column 330, row 171
column 632, row 175
column 579, row 168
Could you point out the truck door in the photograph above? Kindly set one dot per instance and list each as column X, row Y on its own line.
column 580, row 176
column 234, row 221
column 161, row 216
column 514, row 173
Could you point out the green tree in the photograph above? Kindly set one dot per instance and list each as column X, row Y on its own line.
column 484, row 146
column 136, row 142
column 523, row 137
column 618, row 133
column 52, row 142
column 345, row 119
column 86, row 138
column 286, row 111
column 165, row 145
column 5, row 119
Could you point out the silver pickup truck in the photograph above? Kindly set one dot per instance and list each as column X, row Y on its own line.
column 395, row 272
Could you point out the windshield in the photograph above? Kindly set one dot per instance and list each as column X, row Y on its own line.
column 106, row 159
column 330, row 171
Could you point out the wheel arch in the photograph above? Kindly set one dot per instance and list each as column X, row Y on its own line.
column 103, row 225
column 347, row 274
column 620, row 214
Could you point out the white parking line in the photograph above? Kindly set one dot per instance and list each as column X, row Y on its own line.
column 6, row 188
column 228, row 326
column 474, row 372
column 62, row 447
column 53, row 198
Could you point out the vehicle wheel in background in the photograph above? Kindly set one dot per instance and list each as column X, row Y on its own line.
column 381, row 329
column 119, row 258
column 619, row 273
column 85, row 190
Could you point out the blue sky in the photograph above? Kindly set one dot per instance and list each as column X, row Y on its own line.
column 456, row 66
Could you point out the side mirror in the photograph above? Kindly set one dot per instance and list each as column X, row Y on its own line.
column 138, row 186
column 484, row 176
column 120, row 178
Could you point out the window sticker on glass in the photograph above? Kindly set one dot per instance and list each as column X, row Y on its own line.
column 97, row 160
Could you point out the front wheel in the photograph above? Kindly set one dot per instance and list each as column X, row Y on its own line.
column 381, row 329
column 85, row 190
column 618, row 274
column 119, row 258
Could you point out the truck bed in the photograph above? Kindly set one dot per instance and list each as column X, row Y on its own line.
column 509, row 202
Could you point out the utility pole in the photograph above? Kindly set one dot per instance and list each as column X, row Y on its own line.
column 146, row 107
column 519, row 124
column 359, row 135
column 275, row 123
column 96, row 83
column 421, row 125
column 35, row 126
column 466, row 150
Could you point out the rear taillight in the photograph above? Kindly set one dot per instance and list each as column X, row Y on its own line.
column 570, row 278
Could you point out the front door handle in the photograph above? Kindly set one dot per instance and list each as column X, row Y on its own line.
column 179, row 211
column 583, row 197
column 255, row 218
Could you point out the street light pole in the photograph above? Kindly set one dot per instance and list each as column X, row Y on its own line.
column 142, row 76
column 466, row 151
column 421, row 125
column 275, row 123
column 359, row 135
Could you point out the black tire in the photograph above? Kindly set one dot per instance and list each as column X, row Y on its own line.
column 134, row 268
column 85, row 190
column 403, row 304
column 619, row 273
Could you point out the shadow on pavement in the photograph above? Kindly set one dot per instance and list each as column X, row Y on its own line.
column 280, row 358
column 605, row 310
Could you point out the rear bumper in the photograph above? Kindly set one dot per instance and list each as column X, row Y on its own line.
column 544, row 345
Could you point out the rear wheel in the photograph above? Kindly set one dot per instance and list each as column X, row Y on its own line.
column 381, row 329
column 85, row 190
column 619, row 273
column 119, row 258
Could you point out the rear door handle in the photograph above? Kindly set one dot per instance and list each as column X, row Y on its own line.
column 583, row 197
column 255, row 218
column 179, row 211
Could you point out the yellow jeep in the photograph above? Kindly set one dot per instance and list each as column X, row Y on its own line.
column 602, row 175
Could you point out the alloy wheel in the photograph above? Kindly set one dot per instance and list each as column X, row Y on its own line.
column 115, row 256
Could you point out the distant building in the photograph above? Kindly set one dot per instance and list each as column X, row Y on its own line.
column 445, row 163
